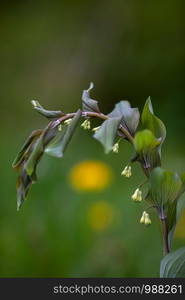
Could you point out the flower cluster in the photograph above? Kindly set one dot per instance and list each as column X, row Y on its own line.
column 86, row 125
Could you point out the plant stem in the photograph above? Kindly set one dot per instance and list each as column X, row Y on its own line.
column 97, row 115
column 166, row 249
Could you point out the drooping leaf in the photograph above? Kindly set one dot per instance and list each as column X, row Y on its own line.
column 23, row 184
column 173, row 264
column 38, row 149
column 29, row 162
column 25, row 148
column 153, row 123
column 34, row 150
column 53, row 148
column 129, row 116
column 89, row 104
column 35, row 156
column 25, row 180
column 50, row 114
column 58, row 145
column 49, row 133
column 107, row 133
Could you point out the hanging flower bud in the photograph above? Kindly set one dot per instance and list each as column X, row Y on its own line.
column 115, row 148
column 127, row 172
column 145, row 219
column 60, row 127
column 86, row 125
column 137, row 196
column 67, row 122
column 95, row 129
column 142, row 220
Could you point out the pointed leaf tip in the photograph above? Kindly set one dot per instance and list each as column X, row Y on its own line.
column 151, row 122
column 89, row 104
column 50, row 114
column 35, row 104
column 91, row 86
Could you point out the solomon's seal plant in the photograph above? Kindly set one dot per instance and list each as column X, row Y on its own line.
column 164, row 187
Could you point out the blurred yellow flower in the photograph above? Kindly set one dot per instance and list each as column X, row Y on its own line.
column 100, row 215
column 90, row 175
column 180, row 229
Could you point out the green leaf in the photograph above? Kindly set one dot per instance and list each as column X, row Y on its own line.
column 164, row 191
column 23, row 185
column 164, row 186
column 183, row 183
column 152, row 159
column 171, row 212
column 38, row 148
column 25, row 148
column 107, row 133
column 180, row 207
column 50, row 114
column 49, row 133
column 151, row 122
column 129, row 116
column 89, row 104
column 145, row 141
column 173, row 264
column 146, row 146
column 30, row 160
column 54, row 147
column 34, row 148
column 58, row 145
column 178, row 212
column 35, row 156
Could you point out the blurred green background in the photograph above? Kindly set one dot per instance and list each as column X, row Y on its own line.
column 50, row 51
